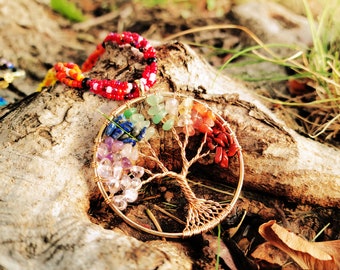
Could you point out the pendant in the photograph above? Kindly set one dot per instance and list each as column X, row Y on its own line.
column 156, row 151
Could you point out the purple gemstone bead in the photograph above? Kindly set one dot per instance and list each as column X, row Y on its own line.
column 117, row 146
column 126, row 163
column 109, row 156
column 109, row 141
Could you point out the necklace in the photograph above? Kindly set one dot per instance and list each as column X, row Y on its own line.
column 131, row 151
column 72, row 75
column 8, row 73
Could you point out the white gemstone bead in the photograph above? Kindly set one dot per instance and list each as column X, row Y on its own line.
column 129, row 88
column 152, row 77
column 125, row 182
column 117, row 171
column 102, row 151
column 134, row 154
column 136, row 183
column 130, row 195
column 113, row 185
column 120, row 202
column 126, row 150
column 143, row 81
column 104, row 168
column 137, row 171
column 150, row 133
column 171, row 106
column 67, row 71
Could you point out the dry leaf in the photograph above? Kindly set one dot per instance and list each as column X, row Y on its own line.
column 309, row 255
column 221, row 249
column 270, row 254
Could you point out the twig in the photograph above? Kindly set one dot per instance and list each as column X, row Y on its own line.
column 169, row 214
column 155, row 221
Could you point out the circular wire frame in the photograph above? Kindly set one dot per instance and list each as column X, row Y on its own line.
column 202, row 215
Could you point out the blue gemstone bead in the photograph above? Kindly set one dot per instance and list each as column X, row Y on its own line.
column 141, row 134
column 129, row 140
column 127, row 126
column 120, row 118
column 117, row 133
column 110, row 128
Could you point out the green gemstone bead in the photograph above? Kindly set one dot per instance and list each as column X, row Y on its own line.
column 156, row 109
column 168, row 124
column 136, row 118
column 150, row 133
column 153, row 100
column 158, row 117
column 129, row 112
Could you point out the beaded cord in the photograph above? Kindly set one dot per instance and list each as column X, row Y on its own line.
column 8, row 73
column 49, row 80
column 71, row 75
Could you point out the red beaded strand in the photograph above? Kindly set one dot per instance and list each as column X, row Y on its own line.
column 92, row 59
column 71, row 75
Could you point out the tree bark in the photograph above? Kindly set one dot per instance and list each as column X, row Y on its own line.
column 47, row 178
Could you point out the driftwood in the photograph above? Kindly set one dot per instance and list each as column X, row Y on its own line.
column 47, row 178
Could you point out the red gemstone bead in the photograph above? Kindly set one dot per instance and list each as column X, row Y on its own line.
column 219, row 142
column 223, row 137
column 225, row 161
column 218, row 154
column 204, row 128
column 220, row 126
column 233, row 148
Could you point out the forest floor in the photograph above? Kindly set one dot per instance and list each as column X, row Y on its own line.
column 158, row 23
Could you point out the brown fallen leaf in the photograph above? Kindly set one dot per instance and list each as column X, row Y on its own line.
column 272, row 255
column 309, row 255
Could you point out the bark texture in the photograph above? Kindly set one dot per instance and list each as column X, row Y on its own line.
column 46, row 150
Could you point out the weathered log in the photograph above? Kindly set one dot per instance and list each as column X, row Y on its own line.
column 277, row 160
column 47, row 178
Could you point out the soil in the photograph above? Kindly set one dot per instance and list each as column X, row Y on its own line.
column 157, row 23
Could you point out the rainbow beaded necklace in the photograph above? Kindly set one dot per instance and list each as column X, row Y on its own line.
column 72, row 75
column 124, row 159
